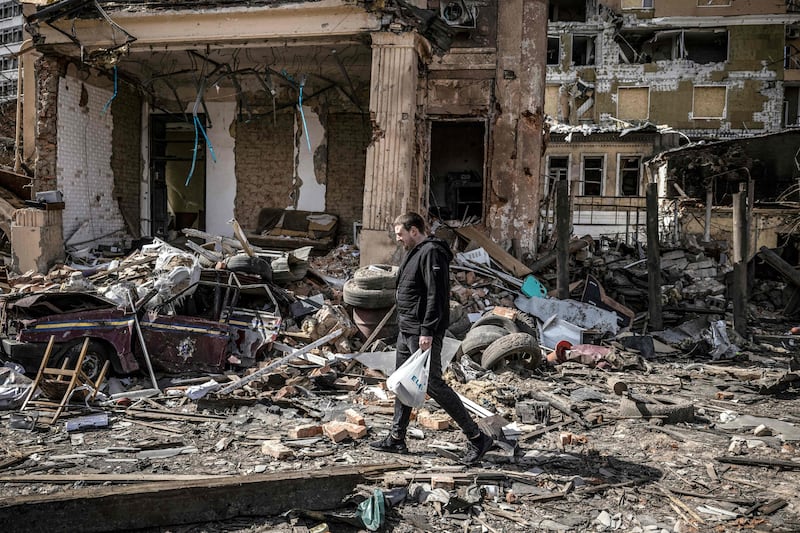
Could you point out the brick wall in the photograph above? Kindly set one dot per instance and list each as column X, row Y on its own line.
column 264, row 165
column 265, row 160
column 348, row 136
column 85, row 177
column 126, row 160
column 48, row 73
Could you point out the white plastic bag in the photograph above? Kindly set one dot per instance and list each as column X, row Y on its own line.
column 410, row 381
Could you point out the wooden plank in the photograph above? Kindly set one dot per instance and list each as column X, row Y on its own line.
column 151, row 505
column 653, row 259
column 105, row 478
column 509, row 262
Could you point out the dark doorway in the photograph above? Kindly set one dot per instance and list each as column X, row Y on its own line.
column 177, row 175
column 456, row 169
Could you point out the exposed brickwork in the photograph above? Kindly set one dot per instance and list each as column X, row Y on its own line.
column 348, row 136
column 91, row 212
column 126, row 161
column 264, row 165
column 48, row 71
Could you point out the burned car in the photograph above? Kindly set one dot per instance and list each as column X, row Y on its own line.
column 216, row 322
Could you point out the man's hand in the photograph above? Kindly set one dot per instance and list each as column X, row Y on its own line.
column 425, row 343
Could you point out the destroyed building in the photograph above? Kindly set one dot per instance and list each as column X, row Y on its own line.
column 151, row 117
column 629, row 79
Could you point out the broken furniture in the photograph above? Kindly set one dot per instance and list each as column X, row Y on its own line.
column 288, row 229
column 59, row 384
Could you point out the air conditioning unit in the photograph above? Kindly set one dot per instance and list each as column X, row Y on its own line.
column 458, row 13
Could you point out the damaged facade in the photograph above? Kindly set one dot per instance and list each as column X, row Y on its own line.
column 629, row 79
column 155, row 117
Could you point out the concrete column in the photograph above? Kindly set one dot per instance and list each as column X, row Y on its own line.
column 389, row 177
column 37, row 239
column 515, row 185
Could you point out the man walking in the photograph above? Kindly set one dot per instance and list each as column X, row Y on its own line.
column 423, row 296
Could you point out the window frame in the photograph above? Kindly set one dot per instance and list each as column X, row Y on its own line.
column 642, row 6
column 601, row 169
column 724, row 105
column 621, row 169
column 705, row 3
column 549, row 182
column 628, row 87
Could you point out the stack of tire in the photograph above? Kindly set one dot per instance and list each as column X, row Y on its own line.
column 371, row 294
column 497, row 341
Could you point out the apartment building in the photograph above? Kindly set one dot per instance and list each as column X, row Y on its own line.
column 628, row 79
column 149, row 116
column 11, row 22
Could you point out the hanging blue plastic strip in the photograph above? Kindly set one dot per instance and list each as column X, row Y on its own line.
column 208, row 141
column 105, row 107
column 303, row 115
column 194, row 154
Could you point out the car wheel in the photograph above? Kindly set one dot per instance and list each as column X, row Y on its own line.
column 250, row 265
column 477, row 339
column 491, row 319
column 96, row 356
column 516, row 350
column 367, row 298
column 376, row 277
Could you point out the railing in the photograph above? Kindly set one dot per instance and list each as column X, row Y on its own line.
column 793, row 6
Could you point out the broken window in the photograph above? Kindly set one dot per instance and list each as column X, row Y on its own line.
column 631, row 46
column 557, row 170
column 713, row 3
column 700, row 46
column 567, row 11
column 593, row 170
column 705, row 46
column 791, row 54
column 791, row 106
column 553, row 50
column 633, row 103
column 583, row 50
column 709, row 102
column 637, row 4
column 630, row 175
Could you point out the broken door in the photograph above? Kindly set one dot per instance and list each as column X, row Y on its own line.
column 178, row 174
column 457, row 155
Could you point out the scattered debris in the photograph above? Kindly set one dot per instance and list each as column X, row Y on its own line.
column 295, row 388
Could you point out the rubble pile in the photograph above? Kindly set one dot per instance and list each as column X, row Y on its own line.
column 599, row 424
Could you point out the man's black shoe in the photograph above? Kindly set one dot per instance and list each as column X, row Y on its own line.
column 477, row 448
column 390, row 444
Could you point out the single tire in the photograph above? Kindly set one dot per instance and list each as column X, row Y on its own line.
column 97, row 353
column 518, row 350
column 491, row 319
column 367, row 298
column 250, row 265
column 376, row 277
column 477, row 339
column 527, row 324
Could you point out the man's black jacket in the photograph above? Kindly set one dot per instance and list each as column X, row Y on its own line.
column 423, row 289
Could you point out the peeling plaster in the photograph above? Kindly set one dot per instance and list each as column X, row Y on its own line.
column 220, row 176
column 84, row 174
column 310, row 179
